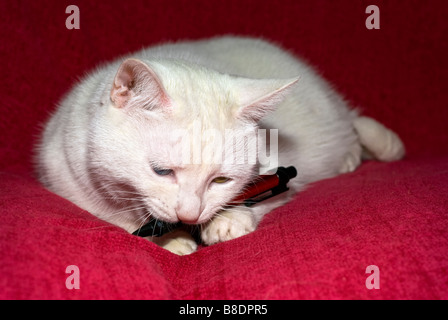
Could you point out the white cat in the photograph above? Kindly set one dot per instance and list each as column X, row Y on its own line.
column 113, row 146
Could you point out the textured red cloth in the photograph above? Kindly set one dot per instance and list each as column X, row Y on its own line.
column 392, row 215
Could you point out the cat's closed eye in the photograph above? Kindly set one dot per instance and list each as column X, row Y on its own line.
column 162, row 172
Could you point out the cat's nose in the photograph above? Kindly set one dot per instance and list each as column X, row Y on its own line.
column 189, row 210
column 186, row 217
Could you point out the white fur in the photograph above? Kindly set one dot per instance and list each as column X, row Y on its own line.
column 100, row 145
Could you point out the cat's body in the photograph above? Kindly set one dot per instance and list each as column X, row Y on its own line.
column 113, row 148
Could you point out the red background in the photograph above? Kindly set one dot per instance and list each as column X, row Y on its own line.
column 319, row 245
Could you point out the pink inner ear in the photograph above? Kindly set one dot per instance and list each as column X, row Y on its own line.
column 133, row 78
column 120, row 95
column 125, row 77
column 123, row 84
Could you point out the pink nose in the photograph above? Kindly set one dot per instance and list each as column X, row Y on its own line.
column 188, row 210
column 187, row 218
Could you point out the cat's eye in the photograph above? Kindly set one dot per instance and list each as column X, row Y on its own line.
column 221, row 180
column 163, row 172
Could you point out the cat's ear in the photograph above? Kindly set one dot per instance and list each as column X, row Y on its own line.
column 256, row 98
column 134, row 78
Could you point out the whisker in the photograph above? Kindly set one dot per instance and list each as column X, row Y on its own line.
column 143, row 219
column 128, row 209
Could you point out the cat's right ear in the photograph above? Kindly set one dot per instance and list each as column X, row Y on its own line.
column 135, row 79
column 259, row 97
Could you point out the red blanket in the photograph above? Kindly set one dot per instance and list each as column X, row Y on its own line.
column 393, row 216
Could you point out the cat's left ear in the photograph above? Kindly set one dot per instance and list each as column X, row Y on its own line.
column 135, row 78
column 256, row 98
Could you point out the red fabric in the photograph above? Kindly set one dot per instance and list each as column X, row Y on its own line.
column 392, row 215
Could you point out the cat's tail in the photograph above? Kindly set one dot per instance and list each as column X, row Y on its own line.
column 378, row 141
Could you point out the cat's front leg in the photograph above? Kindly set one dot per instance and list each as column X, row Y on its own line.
column 229, row 224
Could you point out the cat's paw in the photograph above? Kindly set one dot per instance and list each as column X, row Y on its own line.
column 352, row 159
column 228, row 224
column 179, row 242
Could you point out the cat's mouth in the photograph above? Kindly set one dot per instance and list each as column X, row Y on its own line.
column 156, row 228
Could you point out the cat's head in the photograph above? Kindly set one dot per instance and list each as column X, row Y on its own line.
column 170, row 136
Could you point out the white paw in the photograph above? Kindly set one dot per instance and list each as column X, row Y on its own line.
column 351, row 160
column 228, row 224
column 179, row 242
